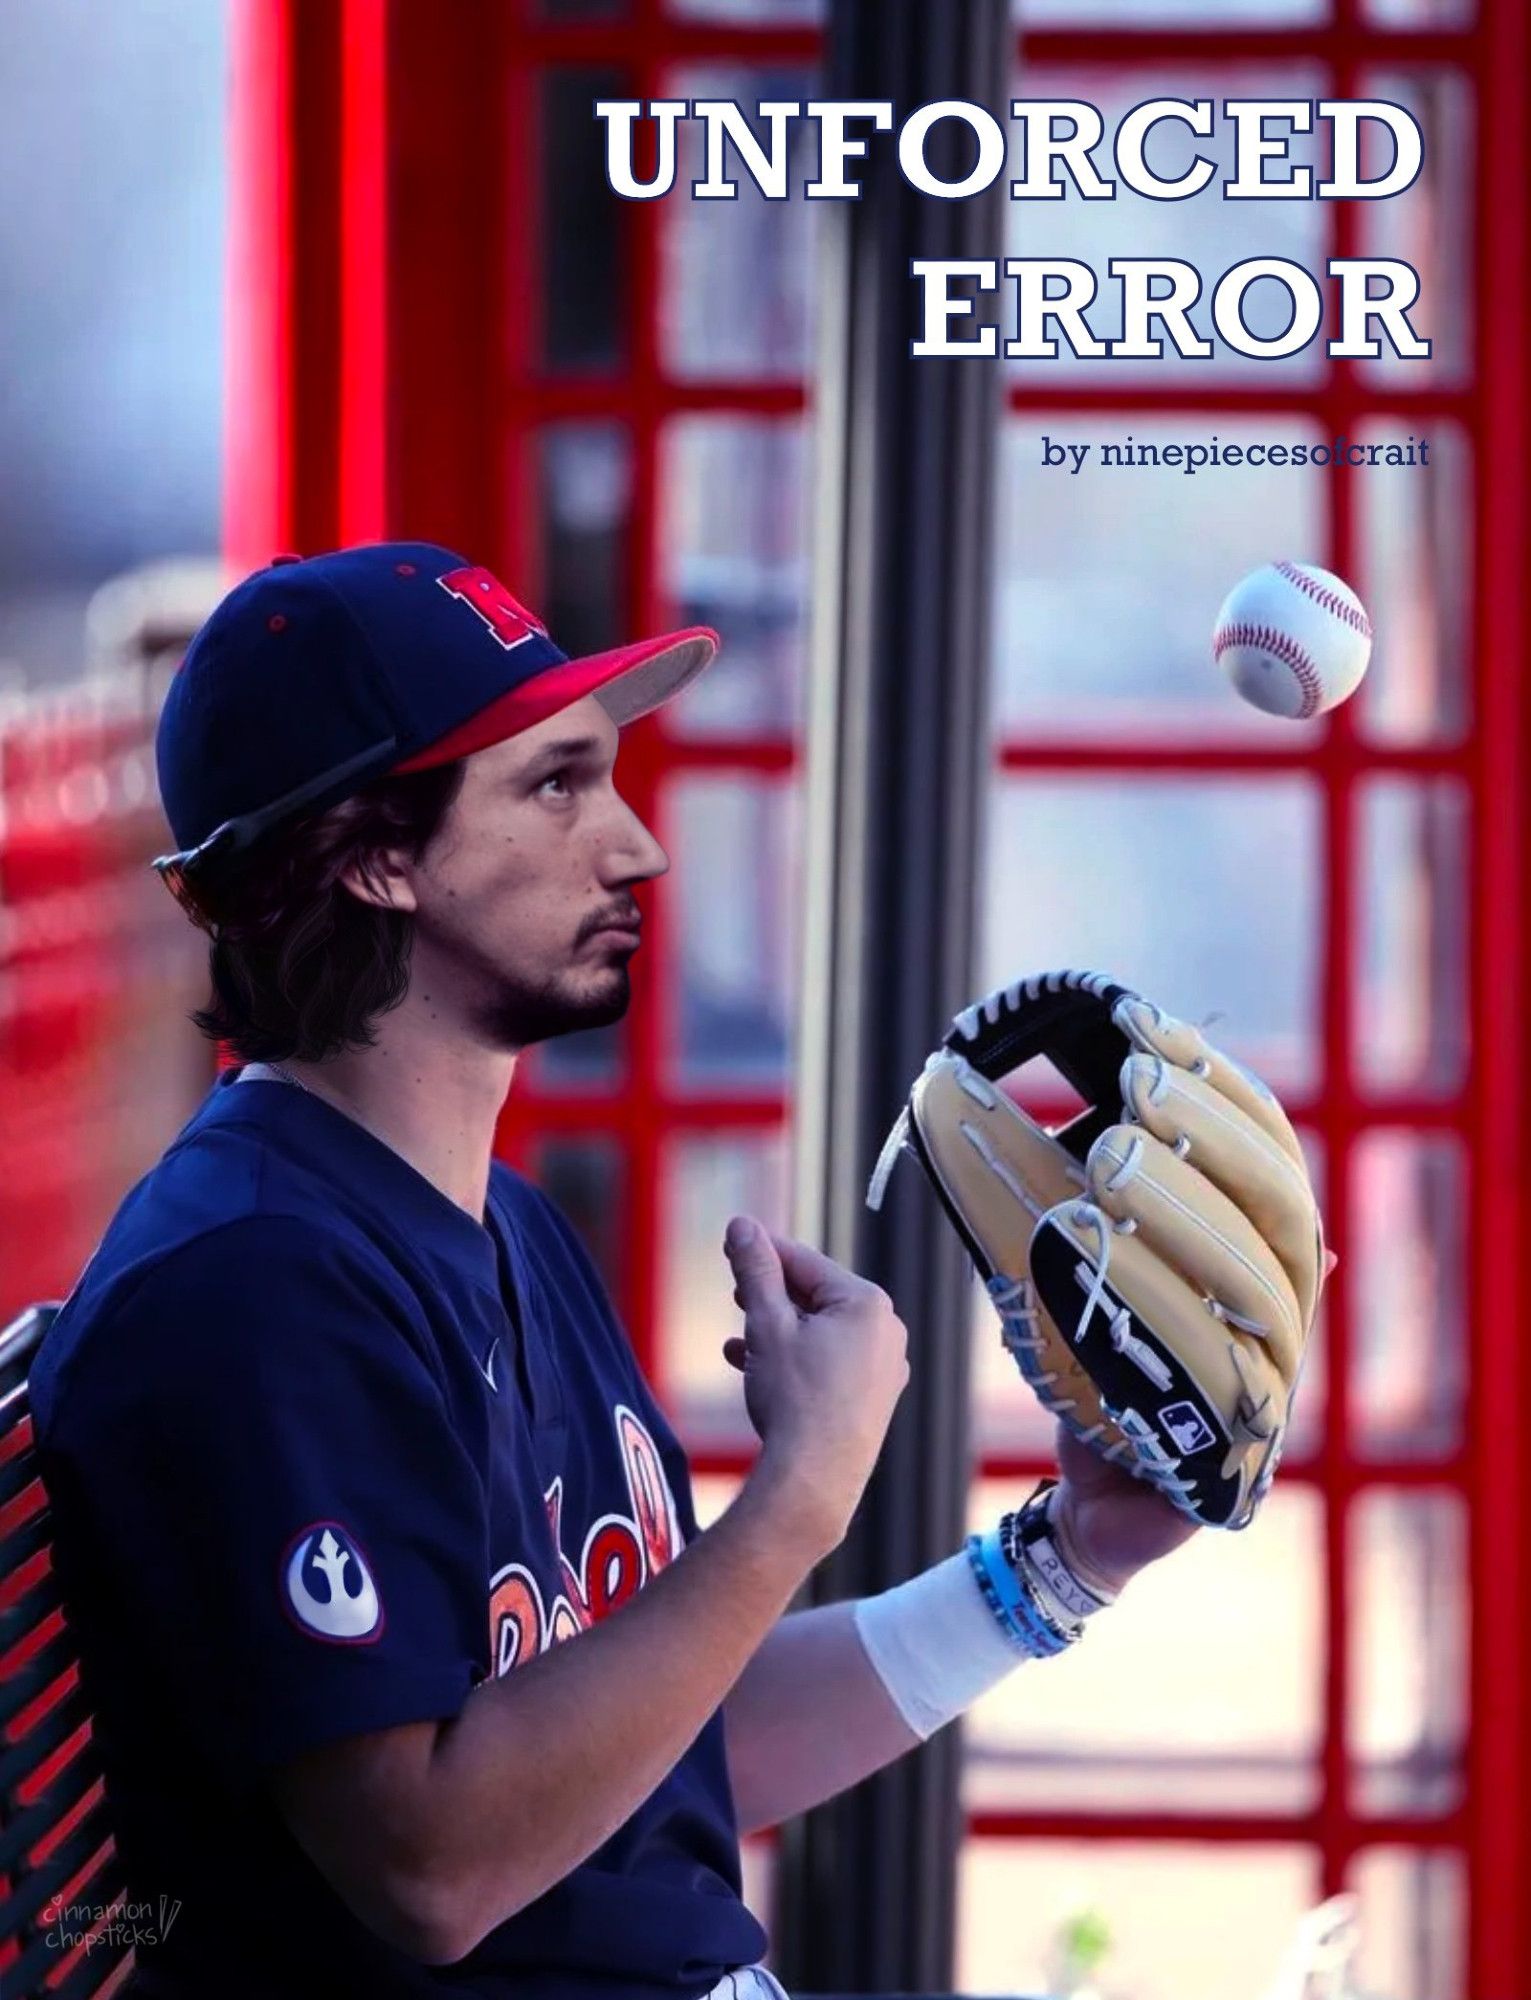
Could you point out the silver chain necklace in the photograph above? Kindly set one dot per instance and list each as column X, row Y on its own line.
column 287, row 1076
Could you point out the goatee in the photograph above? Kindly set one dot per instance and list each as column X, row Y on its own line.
column 515, row 1019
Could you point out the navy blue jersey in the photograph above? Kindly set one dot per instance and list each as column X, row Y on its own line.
column 325, row 1453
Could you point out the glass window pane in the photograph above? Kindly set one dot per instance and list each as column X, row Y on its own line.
column 1408, row 1628
column 708, row 1179
column 1306, row 1425
column 585, row 495
column 1416, row 572
column 1149, row 880
column 1207, row 232
column 1170, row 14
column 1413, row 1923
column 715, row 255
column 1410, row 1022
column 758, row 1865
column 734, row 556
column 711, row 1493
column 586, row 1176
column 748, row 13
column 584, row 512
column 1190, row 1734
column 583, row 234
column 595, row 1059
column 1174, row 1922
column 1097, row 630
column 1430, row 226
column 734, row 841
column 1421, row 13
column 1407, row 1271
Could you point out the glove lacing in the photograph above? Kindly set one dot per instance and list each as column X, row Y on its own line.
column 1252, row 1421
column 1092, row 1281
column 1015, row 1300
column 895, row 1143
column 1007, row 999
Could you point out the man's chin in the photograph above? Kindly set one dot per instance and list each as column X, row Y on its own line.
column 609, row 1000
column 598, row 1002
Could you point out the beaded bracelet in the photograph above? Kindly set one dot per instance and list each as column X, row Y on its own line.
column 1028, row 1584
column 1014, row 1602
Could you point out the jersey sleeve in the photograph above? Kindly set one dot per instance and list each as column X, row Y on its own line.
column 262, row 1449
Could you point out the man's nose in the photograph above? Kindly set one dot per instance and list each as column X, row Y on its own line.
column 634, row 855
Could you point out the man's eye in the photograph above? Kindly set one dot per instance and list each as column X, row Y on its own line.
column 557, row 782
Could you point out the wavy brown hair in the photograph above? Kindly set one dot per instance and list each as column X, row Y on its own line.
column 300, row 967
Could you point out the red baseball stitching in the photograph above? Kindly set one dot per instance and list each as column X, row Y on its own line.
column 1331, row 600
column 1285, row 649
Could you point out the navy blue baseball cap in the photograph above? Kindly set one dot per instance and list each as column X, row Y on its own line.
column 319, row 674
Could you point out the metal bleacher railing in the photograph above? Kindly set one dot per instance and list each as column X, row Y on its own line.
column 97, row 967
column 60, row 1880
column 95, row 1061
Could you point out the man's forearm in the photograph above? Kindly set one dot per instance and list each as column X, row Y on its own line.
column 469, row 1821
column 548, row 1762
column 808, row 1717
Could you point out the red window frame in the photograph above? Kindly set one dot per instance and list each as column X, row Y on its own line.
column 383, row 379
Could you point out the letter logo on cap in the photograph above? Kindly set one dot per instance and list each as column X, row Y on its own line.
column 510, row 622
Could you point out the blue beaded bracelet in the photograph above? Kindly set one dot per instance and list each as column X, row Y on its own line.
column 1010, row 1601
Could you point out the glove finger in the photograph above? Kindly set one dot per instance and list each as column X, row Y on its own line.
column 1237, row 1155
column 996, row 1169
column 1195, row 1228
column 1176, row 1315
column 1160, row 1034
column 1208, row 1394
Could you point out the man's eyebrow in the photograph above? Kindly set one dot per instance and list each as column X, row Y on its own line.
column 567, row 747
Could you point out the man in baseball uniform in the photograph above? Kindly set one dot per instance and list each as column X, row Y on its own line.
column 342, row 1437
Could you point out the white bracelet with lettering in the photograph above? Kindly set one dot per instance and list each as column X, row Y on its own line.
column 1033, row 1540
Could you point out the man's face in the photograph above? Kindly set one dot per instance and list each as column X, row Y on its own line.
column 525, row 918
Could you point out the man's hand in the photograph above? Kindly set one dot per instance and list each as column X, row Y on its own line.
column 824, row 1359
column 1110, row 1525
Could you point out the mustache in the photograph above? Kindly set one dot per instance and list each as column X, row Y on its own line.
column 624, row 916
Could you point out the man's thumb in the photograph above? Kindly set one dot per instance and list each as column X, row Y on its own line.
column 756, row 1266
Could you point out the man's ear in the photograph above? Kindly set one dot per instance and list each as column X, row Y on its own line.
column 381, row 878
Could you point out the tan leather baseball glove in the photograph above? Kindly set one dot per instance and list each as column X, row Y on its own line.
column 1157, row 1261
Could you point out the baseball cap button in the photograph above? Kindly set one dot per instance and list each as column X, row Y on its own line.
column 275, row 560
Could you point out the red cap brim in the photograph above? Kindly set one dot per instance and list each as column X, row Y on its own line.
column 635, row 679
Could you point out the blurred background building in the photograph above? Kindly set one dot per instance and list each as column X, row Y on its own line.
column 288, row 273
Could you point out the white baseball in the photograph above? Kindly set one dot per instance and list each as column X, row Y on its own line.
column 1294, row 639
